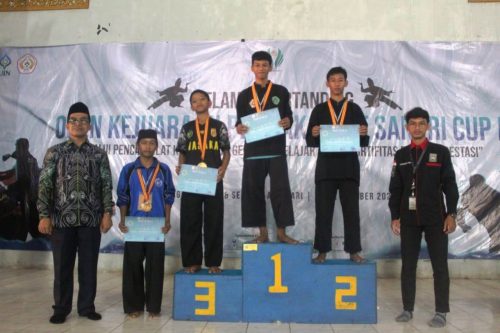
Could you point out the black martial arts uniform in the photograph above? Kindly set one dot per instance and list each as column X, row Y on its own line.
column 336, row 171
column 265, row 157
column 199, row 209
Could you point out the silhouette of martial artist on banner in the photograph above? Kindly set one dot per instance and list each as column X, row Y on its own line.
column 482, row 201
column 171, row 94
column 377, row 95
column 19, row 214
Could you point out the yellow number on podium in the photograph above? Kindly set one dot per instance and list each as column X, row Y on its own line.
column 277, row 287
column 209, row 297
column 351, row 291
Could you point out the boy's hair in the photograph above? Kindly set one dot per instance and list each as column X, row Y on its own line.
column 336, row 70
column 199, row 91
column 417, row 112
column 262, row 55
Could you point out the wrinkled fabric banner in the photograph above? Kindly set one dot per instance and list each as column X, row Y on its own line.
column 147, row 85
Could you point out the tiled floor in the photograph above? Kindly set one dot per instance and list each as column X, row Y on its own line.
column 26, row 299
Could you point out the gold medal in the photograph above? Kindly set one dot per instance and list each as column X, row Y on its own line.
column 145, row 199
column 203, row 165
column 146, row 206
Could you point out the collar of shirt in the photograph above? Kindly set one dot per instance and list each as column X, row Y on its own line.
column 421, row 146
column 335, row 103
column 261, row 88
column 337, row 106
column 138, row 164
column 72, row 143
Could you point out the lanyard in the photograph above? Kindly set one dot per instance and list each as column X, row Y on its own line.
column 150, row 181
column 202, row 145
column 342, row 114
column 416, row 165
column 259, row 106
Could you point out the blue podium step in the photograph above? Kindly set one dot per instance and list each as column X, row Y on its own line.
column 279, row 282
column 208, row 297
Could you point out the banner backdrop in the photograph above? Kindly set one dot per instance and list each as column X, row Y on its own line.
column 147, row 85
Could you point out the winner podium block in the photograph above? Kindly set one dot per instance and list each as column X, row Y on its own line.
column 208, row 297
column 279, row 282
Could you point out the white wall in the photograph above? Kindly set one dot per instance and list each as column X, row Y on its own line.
column 167, row 20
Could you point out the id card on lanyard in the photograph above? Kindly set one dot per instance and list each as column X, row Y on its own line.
column 412, row 200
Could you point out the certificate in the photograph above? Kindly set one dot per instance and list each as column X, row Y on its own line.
column 262, row 125
column 144, row 229
column 339, row 138
column 199, row 180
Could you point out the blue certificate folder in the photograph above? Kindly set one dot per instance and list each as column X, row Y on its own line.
column 262, row 125
column 144, row 229
column 195, row 179
column 339, row 138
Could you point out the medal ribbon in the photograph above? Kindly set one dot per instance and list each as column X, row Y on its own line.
column 150, row 182
column 343, row 112
column 258, row 105
column 202, row 145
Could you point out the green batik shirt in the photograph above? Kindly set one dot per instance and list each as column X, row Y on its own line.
column 75, row 185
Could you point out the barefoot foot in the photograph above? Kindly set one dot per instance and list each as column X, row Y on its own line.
column 192, row 269
column 214, row 270
column 320, row 258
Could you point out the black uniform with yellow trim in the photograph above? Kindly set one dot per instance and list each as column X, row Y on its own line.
column 198, row 209
column 265, row 157
column 434, row 177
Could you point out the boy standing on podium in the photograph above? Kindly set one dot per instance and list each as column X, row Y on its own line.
column 145, row 189
column 337, row 171
column 265, row 157
column 201, row 143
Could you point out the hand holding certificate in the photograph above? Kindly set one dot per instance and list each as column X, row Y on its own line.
column 339, row 138
column 144, row 229
column 262, row 125
column 199, row 180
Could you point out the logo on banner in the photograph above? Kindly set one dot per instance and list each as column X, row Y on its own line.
column 4, row 63
column 278, row 57
column 26, row 64
column 172, row 94
column 375, row 95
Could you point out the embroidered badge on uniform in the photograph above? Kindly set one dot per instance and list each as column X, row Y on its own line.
column 189, row 134
column 213, row 132
column 252, row 104
column 433, row 157
column 276, row 100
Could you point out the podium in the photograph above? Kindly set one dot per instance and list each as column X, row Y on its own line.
column 279, row 282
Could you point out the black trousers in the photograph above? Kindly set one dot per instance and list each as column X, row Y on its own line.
column 253, row 198
column 202, row 212
column 437, row 244
column 66, row 242
column 326, row 193
column 143, row 286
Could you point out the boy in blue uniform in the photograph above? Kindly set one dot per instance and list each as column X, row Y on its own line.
column 201, row 143
column 145, row 189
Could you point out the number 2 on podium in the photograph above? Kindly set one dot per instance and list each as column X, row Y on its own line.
column 277, row 287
